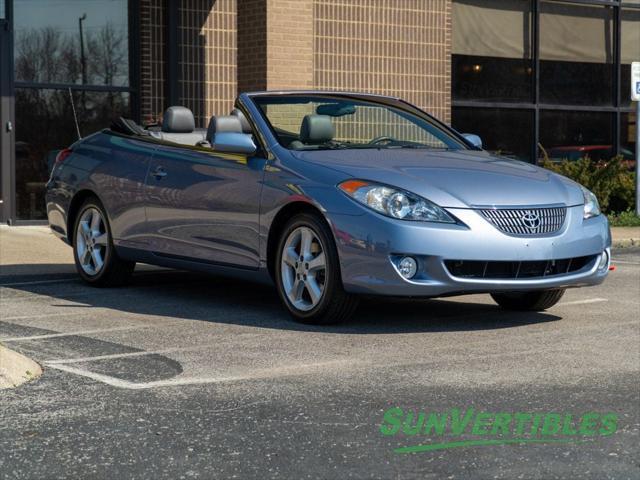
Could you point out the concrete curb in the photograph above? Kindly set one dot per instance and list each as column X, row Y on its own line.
column 16, row 369
column 623, row 237
column 626, row 242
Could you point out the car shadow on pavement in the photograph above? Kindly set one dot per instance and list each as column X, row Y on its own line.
column 193, row 296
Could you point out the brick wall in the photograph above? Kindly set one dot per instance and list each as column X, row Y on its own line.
column 152, row 73
column 208, row 71
column 390, row 47
column 290, row 44
column 387, row 47
column 252, row 45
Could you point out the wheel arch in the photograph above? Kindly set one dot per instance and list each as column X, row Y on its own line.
column 74, row 208
column 280, row 220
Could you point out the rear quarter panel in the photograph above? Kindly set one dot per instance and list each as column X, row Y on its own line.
column 113, row 168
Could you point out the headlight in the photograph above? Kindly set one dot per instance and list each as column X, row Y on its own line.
column 395, row 203
column 591, row 206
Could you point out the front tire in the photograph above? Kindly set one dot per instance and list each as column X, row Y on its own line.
column 96, row 259
column 307, row 273
column 528, row 301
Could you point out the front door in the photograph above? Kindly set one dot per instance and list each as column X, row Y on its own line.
column 6, row 108
column 204, row 206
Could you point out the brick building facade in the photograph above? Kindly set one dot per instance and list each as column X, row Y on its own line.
column 227, row 46
column 533, row 78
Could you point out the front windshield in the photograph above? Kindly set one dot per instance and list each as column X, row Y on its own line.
column 323, row 122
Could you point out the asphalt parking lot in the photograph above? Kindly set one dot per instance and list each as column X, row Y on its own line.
column 186, row 376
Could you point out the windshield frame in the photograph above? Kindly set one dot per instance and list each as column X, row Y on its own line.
column 397, row 106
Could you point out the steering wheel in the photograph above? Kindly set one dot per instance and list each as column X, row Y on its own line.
column 381, row 139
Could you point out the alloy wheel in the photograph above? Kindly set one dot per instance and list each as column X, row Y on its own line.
column 303, row 268
column 91, row 241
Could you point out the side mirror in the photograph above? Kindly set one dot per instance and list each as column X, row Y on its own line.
column 474, row 140
column 234, row 143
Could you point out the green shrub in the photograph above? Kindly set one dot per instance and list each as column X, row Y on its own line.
column 624, row 219
column 612, row 182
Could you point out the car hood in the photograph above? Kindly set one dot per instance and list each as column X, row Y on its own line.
column 454, row 179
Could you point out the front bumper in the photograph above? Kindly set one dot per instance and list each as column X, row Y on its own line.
column 366, row 243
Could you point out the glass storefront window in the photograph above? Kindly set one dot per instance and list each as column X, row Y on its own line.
column 629, row 50
column 3, row 13
column 45, row 125
column 72, row 41
column 492, row 62
column 576, row 54
column 573, row 135
column 492, row 41
column 507, row 132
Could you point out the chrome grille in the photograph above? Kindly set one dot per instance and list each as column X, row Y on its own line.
column 526, row 221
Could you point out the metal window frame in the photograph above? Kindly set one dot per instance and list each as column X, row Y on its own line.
column 7, row 152
column 616, row 108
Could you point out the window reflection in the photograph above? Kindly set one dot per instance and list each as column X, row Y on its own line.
column 566, row 135
column 576, row 54
column 44, row 125
column 492, row 50
column 72, row 41
column 507, row 132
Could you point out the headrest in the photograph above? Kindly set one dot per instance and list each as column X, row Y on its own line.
column 178, row 120
column 223, row 124
column 316, row 129
column 246, row 127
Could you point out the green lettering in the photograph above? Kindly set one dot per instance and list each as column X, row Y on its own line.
column 437, row 423
column 567, row 426
column 458, row 425
column 521, row 419
column 393, row 419
column 408, row 428
column 551, row 424
column 535, row 424
column 609, row 424
column 501, row 422
column 483, row 420
column 588, row 424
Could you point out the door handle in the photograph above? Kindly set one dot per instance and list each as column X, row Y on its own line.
column 159, row 173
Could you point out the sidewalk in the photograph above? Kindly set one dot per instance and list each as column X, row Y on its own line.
column 625, row 237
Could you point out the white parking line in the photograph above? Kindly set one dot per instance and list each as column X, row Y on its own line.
column 72, row 334
column 127, row 355
column 581, row 302
column 255, row 375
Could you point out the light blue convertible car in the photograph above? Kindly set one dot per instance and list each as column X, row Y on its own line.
column 330, row 196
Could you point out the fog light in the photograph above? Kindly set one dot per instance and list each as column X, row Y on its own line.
column 604, row 261
column 407, row 267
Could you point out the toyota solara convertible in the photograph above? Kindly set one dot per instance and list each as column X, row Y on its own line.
column 330, row 196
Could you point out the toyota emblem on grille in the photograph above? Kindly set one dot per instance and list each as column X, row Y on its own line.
column 531, row 220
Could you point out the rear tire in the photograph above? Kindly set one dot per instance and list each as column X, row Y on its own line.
column 307, row 273
column 97, row 261
column 528, row 301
